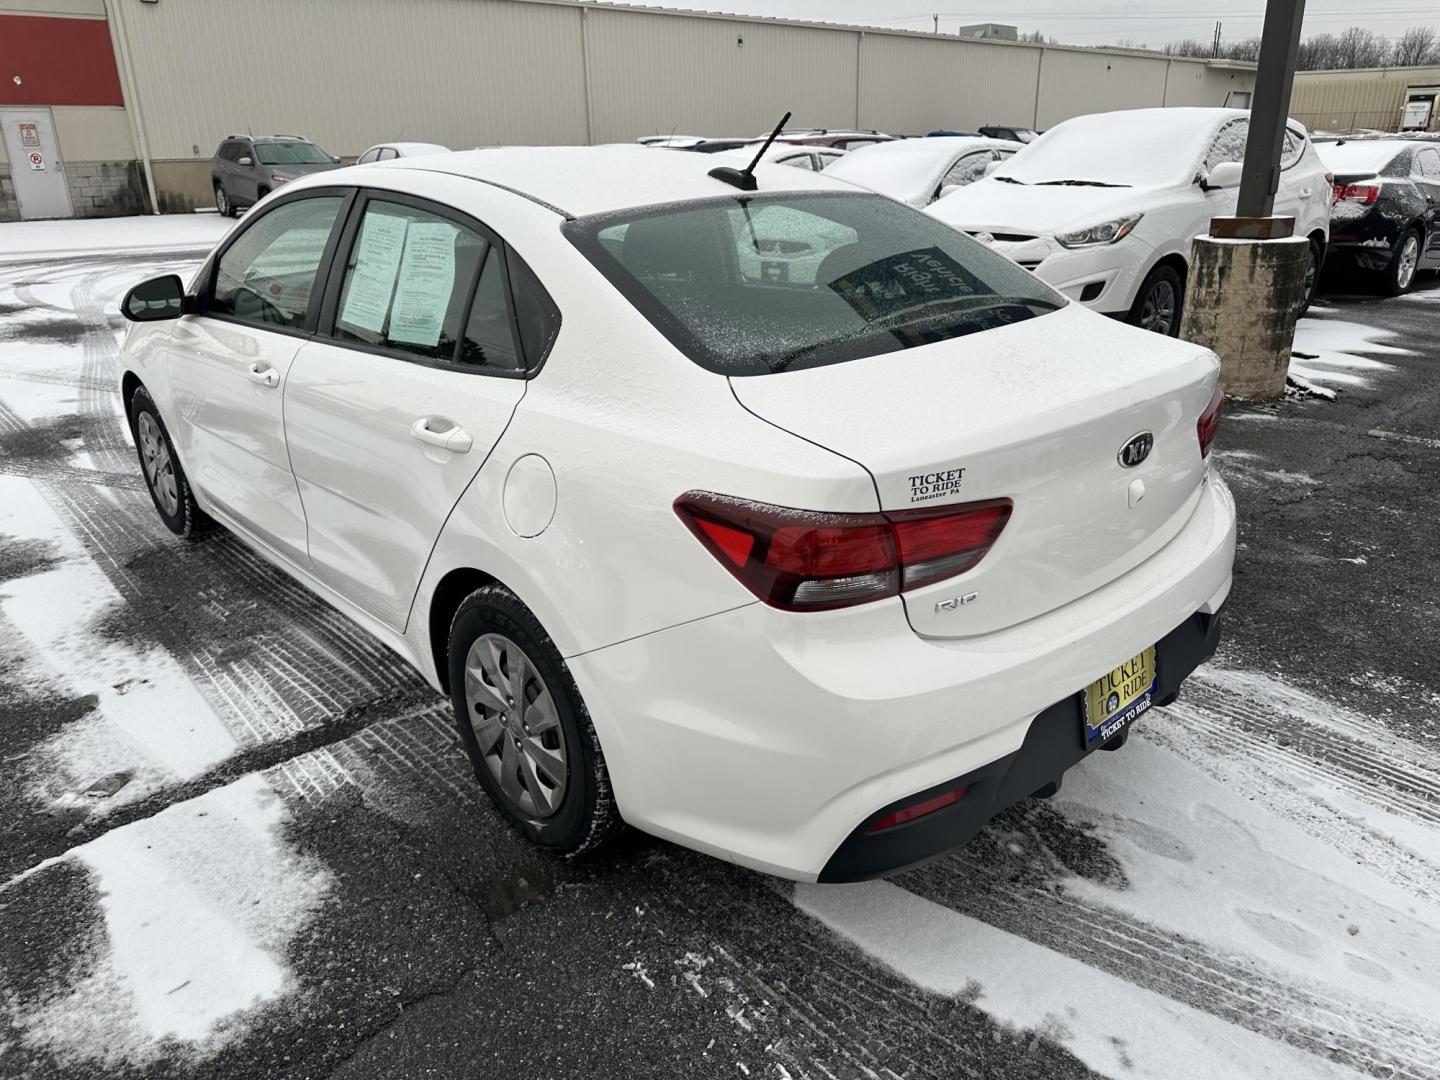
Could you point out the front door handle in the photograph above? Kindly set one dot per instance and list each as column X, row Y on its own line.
column 451, row 437
column 263, row 374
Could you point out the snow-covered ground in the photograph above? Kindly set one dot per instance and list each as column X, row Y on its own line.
column 1249, row 889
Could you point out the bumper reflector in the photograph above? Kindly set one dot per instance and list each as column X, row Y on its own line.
column 918, row 810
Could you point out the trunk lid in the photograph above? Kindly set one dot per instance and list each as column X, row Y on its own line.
column 1036, row 412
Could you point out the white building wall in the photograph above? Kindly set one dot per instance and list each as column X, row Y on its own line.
column 913, row 84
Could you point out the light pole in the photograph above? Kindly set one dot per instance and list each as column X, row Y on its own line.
column 1247, row 278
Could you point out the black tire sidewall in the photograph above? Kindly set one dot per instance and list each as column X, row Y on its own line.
column 220, row 197
column 496, row 610
column 1158, row 274
column 184, row 521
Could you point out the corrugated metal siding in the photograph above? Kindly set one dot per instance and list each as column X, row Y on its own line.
column 352, row 73
column 653, row 74
column 1192, row 83
column 1075, row 83
column 911, row 85
column 1342, row 100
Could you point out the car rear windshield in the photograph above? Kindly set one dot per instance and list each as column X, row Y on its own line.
column 291, row 153
column 763, row 284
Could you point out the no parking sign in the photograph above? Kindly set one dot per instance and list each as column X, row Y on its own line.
column 37, row 161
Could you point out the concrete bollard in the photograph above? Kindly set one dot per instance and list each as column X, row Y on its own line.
column 1241, row 299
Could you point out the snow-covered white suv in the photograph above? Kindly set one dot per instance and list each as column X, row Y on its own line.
column 1104, row 207
column 786, row 523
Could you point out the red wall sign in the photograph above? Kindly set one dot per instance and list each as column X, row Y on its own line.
column 57, row 62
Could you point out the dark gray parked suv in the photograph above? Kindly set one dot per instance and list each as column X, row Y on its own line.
column 246, row 168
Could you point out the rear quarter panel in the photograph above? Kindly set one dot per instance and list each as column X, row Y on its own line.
column 627, row 424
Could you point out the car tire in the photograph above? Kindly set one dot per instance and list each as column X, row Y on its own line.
column 1312, row 278
column 1159, row 303
column 1404, row 264
column 222, row 202
column 164, row 476
column 500, row 657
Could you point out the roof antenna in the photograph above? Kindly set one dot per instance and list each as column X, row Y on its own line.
column 744, row 179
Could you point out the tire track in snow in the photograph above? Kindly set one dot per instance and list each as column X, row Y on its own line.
column 1235, row 989
column 1343, row 778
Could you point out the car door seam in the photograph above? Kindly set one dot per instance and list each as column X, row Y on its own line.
column 435, row 541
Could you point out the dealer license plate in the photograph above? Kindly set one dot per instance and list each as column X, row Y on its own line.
column 1114, row 701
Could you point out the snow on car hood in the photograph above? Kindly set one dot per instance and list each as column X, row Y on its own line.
column 992, row 205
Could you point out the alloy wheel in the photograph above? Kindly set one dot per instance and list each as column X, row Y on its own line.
column 159, row 466
column 1158, row 311
column 1409, row 259
column 516, row 725
column 221, row 202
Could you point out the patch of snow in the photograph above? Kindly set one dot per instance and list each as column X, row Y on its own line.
column 200, row 903
column 23, row 240
column 1114, row 1027
column 149, row 718
column 1306, row 388
column 1330, row 349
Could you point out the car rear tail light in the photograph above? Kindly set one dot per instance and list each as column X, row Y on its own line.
column 1209, row 422
column 1366, row 194
column 918, row 810
column 810, row 560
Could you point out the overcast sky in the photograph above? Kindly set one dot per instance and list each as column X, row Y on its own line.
column 1095, row 22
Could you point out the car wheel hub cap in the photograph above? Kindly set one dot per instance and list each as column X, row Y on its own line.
column 159, row 468
column 1159, row 310
column 1409, row 256
column 516, row 725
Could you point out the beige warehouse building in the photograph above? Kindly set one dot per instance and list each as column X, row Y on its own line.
column 350, row 73
column 1384, row 99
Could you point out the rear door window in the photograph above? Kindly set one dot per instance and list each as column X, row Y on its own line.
column 1292, row 149
column 267, row 275
column 1427, row 165
column 408, row 281
column 763, row 284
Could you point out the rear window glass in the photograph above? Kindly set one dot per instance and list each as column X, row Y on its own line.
column 763, row 284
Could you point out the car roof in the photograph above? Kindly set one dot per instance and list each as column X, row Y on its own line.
column 410, row 147
column 581, row 180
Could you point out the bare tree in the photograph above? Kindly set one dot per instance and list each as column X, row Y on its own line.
column 1361, row 48
column 1319, row 53
column 1248, row 50
column 1188, row 47
column 1415, row 48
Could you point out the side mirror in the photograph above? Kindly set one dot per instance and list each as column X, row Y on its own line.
column 1224, row 175
column 154, row 300
column 335, row 158
column 992, row 166
column 246, row 160
column 946, row 189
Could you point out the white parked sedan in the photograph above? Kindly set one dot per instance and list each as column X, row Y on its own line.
column 1104, row 207
column 813, row 564
column 391, row 151
column 919, row 171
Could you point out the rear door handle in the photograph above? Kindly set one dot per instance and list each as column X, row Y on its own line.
column 263, row 374
column 451, row 437
column 1305, row 193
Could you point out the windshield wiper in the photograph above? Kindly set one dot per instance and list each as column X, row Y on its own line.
column 1078, row 183
column 1007, row 180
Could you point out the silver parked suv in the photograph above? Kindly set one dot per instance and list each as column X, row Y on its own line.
column 246, row 168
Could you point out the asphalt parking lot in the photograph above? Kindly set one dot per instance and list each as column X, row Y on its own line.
column 240, row 839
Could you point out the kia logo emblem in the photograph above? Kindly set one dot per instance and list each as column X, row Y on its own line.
column 1136, row 450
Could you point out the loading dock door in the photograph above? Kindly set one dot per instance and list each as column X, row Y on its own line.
column 35, row 166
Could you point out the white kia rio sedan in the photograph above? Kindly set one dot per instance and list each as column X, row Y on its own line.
column 1104, row 207
column 789, row 524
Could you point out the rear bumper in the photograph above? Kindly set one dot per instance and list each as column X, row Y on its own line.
column 1372, row 254
column 1052, row 744
column 767, row 738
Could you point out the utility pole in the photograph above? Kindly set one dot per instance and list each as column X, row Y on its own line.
column 937, row 23
column 1270, row 106
column 1215, row 43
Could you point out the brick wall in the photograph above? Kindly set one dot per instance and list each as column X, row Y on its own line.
column 105, row 188
column 9, row 208
column 97, row 189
